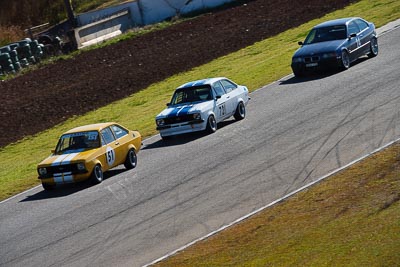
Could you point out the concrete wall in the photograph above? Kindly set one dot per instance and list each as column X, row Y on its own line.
column 93, row 16
column 103, row 29
column 158, row 10
column 99, row 25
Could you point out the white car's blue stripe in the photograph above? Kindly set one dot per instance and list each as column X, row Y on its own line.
column 179, row 111
column 184, row 110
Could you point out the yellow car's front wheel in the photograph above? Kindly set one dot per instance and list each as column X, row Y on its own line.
column 97, row 174
column 48, row 187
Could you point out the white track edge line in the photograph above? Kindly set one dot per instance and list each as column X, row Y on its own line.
column 7, row 199
column 272, row 203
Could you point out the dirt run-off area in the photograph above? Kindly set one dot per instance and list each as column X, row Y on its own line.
column 47, row 96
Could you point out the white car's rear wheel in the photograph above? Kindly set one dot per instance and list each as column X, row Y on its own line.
column 240, row 112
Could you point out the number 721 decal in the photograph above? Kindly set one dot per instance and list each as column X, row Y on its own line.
column 110, row 156
column 222, row 110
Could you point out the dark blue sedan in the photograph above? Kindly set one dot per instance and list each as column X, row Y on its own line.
column 334, row 45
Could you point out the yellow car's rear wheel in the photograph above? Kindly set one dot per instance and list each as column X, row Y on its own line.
column 131, row 159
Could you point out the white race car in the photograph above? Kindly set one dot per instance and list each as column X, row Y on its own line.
column 200, row 105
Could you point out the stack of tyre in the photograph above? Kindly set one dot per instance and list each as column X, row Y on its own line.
column 14, row 57
column 19, row 54
column 25, row 53
column 6, row 63
column 36, row 50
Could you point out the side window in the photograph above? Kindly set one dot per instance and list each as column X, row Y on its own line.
column 362, row 24
column 229, row 86
column 353, row 28
column 118, row 131
column 219, row 90
column 204, row 94
column 107, row 135
column 178, row 97
column 311, row 37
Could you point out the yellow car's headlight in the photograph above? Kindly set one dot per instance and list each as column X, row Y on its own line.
column 81, row 166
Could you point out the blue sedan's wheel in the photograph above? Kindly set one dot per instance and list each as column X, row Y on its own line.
column 298, row 73
column 211, row 124
column 373, row 48
column 345, row 63
column 97, row 175
column 165, row 138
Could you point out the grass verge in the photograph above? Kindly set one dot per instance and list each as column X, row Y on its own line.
column 253, row 66
column 349, row 219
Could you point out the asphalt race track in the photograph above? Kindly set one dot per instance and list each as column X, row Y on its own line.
column 296, row 130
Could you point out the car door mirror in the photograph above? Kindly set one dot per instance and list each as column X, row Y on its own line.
column 352, row 35
column 300, row 43
column 217, row 97
column 53, row 151
column 168, row 104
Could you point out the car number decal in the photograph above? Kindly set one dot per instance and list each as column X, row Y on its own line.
column 222, row 110
column 110, row 156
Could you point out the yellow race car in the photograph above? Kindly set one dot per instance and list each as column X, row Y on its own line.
column 86, row 152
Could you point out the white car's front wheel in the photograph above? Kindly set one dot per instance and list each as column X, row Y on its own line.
column 211, row 124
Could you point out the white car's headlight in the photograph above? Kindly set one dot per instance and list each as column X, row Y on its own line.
column 160, row 122
column 42, row 171
column 81, row 166
column 297, row 59
column 197, row 116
